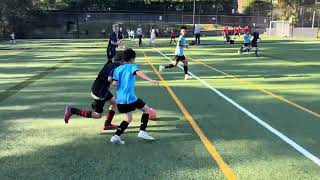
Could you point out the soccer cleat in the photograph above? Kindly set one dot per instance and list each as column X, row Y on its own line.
column 115, row 139
column 187, row 77
column 161, row 68
column 145, row 135
column 111, row 126
column 67, row 114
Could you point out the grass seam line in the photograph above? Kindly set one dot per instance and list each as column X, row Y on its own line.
column 208, row 145
column 286, row 139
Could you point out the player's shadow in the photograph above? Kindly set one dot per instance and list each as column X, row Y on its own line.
column 151, row 128
column 166, row 119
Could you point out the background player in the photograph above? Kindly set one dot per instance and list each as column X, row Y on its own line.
column 173, row 36
column 113, row 43
column 139, row 33
column 246, row 45
column 12, row 38
column 254, row 42
column 180, row 54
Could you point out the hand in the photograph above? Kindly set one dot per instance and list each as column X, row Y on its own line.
column 187, row 46
column 154, row 82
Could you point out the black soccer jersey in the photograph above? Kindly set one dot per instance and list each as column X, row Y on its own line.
column 100, row 87
column 114, row 38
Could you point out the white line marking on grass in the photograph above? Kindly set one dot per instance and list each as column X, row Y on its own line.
column 296, row 146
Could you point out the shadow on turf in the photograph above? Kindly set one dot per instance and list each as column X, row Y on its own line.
column 93, row 157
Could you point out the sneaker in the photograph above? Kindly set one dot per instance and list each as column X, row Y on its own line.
column 161, row 68
column 145, row 135
column 111, row 126
column 115, row 139
column 67, row 114
column 187, row 77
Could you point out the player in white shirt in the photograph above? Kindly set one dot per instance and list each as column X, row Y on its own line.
column 12, row 38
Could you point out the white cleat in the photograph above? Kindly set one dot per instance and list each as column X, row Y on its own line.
column 187, row 77
column 145, row 135
column 115, row 139
column 161, row 68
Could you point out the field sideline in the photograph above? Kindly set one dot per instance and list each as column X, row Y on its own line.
column 200, row 135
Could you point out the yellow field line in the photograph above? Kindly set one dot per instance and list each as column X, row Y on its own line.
column 227, row 171
column 257, row 87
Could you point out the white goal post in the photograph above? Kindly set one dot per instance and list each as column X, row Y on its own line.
column 279, row 28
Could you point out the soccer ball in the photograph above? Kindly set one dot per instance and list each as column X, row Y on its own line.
column 152, row 114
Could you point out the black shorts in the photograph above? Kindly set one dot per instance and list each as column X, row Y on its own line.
column 254, row 44
column 111, row 53
column 98, row 104
column 179, row 58
column 125, row 108
column 246, row 44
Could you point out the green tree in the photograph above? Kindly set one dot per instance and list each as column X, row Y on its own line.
column 286, row 8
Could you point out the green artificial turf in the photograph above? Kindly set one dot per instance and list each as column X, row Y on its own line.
column 38, row 78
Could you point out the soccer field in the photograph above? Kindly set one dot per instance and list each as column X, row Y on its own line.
column 241, row 117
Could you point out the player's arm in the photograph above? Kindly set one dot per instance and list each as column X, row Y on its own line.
column 110, row 75
column 114, row 84
column 183, row 45
column 145, row 77
column 115, row 79
column 115, row 43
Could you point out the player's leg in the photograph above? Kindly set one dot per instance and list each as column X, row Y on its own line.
column 162, row 67
column 144, row 119
column 110, row 114
column 140, row 40
column 69, row 111
column 242, row 48
column 185, row 68
column 116, row 139
column 126, row 109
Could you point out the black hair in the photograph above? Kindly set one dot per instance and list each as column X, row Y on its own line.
column 183, row 27
column 128, row 54
column 118, row 56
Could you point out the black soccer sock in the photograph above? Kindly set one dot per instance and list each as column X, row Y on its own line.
column 110, row 116
column 185, row 68
column 144, row 122
column 169, row 66
column 81, row 112
column 123, row 126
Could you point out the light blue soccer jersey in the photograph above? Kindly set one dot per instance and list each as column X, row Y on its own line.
column 126, row 77
column 246, row 38
column 179, row 49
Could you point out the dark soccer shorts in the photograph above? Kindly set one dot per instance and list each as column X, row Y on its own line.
column 111, row 53
column 246, row 44
column 125, row 108
column 179, row 58
column 99, row 103
column 254, row 44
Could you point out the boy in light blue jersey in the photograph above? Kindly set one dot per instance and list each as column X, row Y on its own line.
column 179, row 54
column 124, row 78
column 247, row 44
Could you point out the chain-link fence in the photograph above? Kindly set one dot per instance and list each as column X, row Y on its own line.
column 94, row 25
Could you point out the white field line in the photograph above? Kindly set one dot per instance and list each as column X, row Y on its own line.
column 293, row 144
